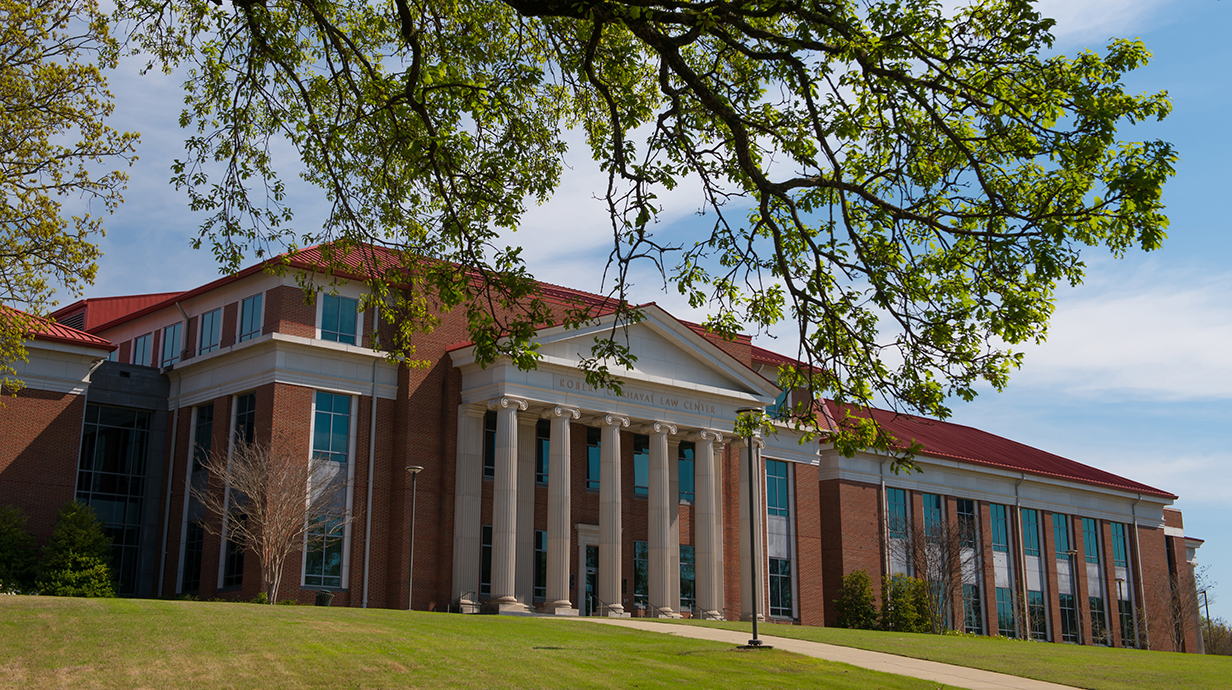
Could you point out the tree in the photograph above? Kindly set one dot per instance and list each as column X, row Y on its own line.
column 52, row 139
column 272, row 500
column 939, row 553
column 905, row 184
column 17, row 551
column 854, row 604
column 75, row 559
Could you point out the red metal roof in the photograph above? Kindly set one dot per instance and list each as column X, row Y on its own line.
column 59, row 333
column 968, row 444
column 100, row 310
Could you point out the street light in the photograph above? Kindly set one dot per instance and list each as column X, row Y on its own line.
column 1120, row 610
column 1073, row 578
column 1206, row 600
column 754, row 556
column 410, row 573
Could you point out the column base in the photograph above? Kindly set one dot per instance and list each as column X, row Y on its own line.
column 710, row 616
column 615, row 611
column 746, row 617
column 504, row 608
column 468, row 607
column 558, row 611
column 665, row 613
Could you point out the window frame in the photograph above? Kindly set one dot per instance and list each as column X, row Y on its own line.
column 339, row 335
column 144, row 343
column 257, row 327
column 778, row 488
column 164, row 360
column 215, row 318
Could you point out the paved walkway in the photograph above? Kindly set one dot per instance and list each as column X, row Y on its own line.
column 959, row 676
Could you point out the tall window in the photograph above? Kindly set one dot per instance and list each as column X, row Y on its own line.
column 1039, row 618
column 776, row 487
column 1030, row 532
column 543, row 450
column 245, row 417
column 339, row 316
column 1120, row 550
column 1060, row 534
column 489, row 444
column 641, row 572
column 250, row 318
column 973, row 613
column 896, row 513
column 111, row 480
column 1126, row 610
column 965, row 508
column 780, row 588
column 331, row 437
column 211, row 331
column 141, row 349
column 171, row 345
column 781, row 407
column 688, row 577
column 233, row 564
column 932, row 515
column 194, row 546
column 203, row 436
column 684, row 463
column 641, row 465
column 1000, row 528
column 1069, row 619
column 594, row 439
column 541, row 564
column 1005, row 612
column 485, row 561
column 1090, row 539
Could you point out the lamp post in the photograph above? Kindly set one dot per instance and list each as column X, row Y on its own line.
column 410, row 572
column 1207, row 602
column 1121, row 613
column 1073, row 578
column 754, row 556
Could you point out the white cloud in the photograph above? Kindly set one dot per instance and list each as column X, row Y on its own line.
column 1096, row 21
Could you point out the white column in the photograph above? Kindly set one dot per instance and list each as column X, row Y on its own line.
column 706, row 526
column 468, row 495
column 524, row 577
column 505, row 501
column 658, row 525
column 610, row 542
column 673, row 523
column 559, row 511
column 751, row 588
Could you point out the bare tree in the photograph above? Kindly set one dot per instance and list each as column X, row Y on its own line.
column 937, row 553
column 275, row 502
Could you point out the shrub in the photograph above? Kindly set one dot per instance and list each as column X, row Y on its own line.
column 854, row 604
column 904, row 604
column 17, row 551
column 79, row 576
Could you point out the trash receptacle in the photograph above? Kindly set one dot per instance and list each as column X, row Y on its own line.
column 325, row 598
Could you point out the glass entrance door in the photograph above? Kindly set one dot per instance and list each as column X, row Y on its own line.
column 592, row 580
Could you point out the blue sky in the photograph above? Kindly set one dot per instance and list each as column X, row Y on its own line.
column 1135, row 378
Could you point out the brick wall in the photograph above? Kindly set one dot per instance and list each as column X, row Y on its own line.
column 286, row 311
column 38, row 454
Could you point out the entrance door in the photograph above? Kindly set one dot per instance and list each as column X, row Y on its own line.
column 592, row 579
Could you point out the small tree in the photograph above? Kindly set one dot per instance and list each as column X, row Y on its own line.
column 75, row 559
column 938, row 552
column 854, row 604
column 903, row 605
column 17, row 551
column 274, row 501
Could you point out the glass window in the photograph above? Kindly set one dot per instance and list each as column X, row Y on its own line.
column 781, row 408
column 331, row 432
column 896, row 509
column 641, row 465
column 211, row 331
column 776, row 487
column 245, row 417
column 594, row 439
column 1126, row 610
column 1069, row 619
column 111, row 480
column 1000, row 528
column 114, row 355
column 250, row 318
column 780, row 588
column 323, row 559
column 1090, row 539
column 338, row 318
column 194, row 546
column 688, row 578
column 1120, row 552
column 485, row 561
column 202, row 436
column 641, row 572
column 965, row 508
column 171, row 345
column 489, row 444
column 141, row 349
column 1039, row 618
column 1060, row 534
column 1099, row 621
column 543, row 449
column 1030, row 532
column 541, row 564
column 684, row 463
column 933, row 524
column 233, row 564
column 1005, row 612
column 973, row 614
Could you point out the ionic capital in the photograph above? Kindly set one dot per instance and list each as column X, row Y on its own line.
column 657, row 428
column 711, row 435
column 506, row 401
column 614, row 420
column 562, row 411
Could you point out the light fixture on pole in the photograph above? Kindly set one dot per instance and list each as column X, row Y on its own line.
column 1120, row 610
column 1073, row 578
column 410, row 572
column 754, row 556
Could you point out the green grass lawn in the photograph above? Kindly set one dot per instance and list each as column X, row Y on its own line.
column 135, row 643
column 1099, row 668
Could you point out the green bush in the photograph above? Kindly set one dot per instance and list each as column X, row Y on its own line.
column 904, row 604
column 17, row 552
column 79, row 576
column 854, row 604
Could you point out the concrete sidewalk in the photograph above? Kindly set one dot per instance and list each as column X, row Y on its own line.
column 959, row 676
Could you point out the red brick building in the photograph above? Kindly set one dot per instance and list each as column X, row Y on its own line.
column 538, row 493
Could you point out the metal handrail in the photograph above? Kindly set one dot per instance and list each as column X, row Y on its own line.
column 458, row 602
column 656, row 608
column 606, row 606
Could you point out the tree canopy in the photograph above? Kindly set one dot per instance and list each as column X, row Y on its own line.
column 906, row 184
column 53, row 142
